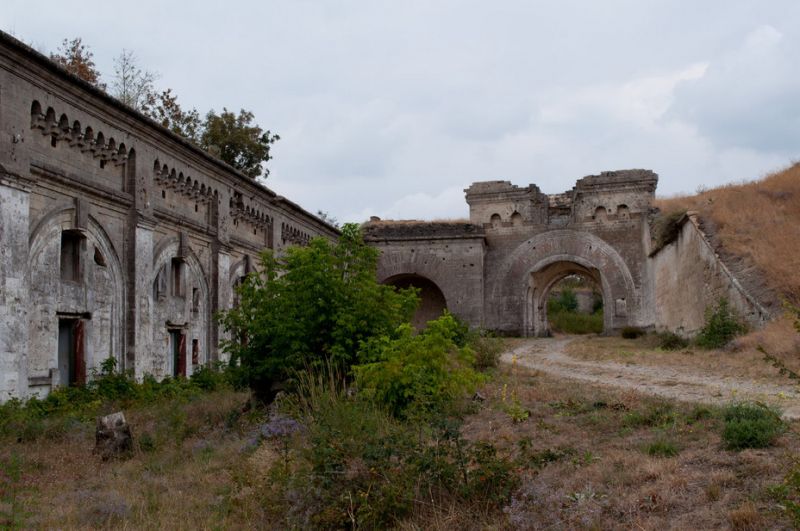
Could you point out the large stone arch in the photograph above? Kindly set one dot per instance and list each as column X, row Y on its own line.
column 454, row 266
column 523, row 279
column 432, row 302
column 188, row 312
column 98, row 298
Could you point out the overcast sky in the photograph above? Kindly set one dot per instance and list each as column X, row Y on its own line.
column 393, row 107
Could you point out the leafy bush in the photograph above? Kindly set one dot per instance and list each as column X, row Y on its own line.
column 787, row 494
column 721, row 326
column 313, row 304
column 566, row 301
column 751, row 425
column 671, row 341
column 632, row 332
column 416, row 372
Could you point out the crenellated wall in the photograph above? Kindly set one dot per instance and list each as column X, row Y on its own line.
column 117, row 238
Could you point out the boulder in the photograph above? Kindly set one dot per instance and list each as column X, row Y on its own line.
column 113, row 438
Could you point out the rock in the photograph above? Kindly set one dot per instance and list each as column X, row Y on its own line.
column 478, row 397
column 113, row 438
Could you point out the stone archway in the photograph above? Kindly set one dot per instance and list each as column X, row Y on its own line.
column 544, row 277
column 522, row 281
column 432, row 302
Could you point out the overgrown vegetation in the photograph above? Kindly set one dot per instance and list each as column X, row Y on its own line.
column 751, row 425
column 721, row 326
column 631, row 332
column 666, row 227
column 314, row 305
column 758, row 222
column 108, row 390
column 563, row 314
column 672, row 341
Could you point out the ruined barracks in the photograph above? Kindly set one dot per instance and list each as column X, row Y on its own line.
column 117, row 238
column 120, row 239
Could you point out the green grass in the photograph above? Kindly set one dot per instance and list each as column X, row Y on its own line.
column 576, row 323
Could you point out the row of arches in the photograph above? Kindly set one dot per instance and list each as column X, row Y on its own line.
column 85, row 139
column 290, row 234
column 240, row 211
column 170, row 178
column 603, row 214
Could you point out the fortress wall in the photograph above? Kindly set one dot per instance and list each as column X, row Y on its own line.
column 689, row 278
column 153, row 230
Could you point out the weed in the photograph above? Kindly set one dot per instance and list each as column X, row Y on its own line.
column 487, row 351
column 659, row 415
column 721, row 326
column 751, row 425
column 787, row 493
column 662, row 448
column 672, row 341
column 576, row 323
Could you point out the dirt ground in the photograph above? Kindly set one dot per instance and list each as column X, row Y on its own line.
column 706, row 377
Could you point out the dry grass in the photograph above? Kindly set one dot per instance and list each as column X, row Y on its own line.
column 196, row 477
column 757, row 221
column 601, row 476
column 741, row 359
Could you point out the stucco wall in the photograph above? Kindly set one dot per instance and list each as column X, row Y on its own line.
column 689, row 278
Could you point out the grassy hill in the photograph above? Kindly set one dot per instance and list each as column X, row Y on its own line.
column 755, row 226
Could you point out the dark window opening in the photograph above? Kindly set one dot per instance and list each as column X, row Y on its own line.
column 163, row 194
column 177, row 277
column 53, row 141
column 102, row 163
column 195, row 207
column 195, row 352
column 71, row 243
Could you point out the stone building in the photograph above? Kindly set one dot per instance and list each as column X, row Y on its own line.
column 117, row 238
column 496, row 270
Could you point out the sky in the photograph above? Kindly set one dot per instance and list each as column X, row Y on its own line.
column 393, row 107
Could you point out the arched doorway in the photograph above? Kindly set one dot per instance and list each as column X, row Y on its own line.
column 431, row 299
column 551, row 276
column 572, row 300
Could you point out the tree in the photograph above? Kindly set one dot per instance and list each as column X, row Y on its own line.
column 77, row 59
column 315, row 305
column 165, row 109
column 132, row 85
column 238, row 141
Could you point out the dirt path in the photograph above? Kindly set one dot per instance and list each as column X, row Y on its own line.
column 547, row 355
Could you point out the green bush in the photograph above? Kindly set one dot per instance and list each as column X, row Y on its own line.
column 566, row 301
column 751, row 425
column 721, row 326
column 632, row 332
column 416, row 372
column 314, row 305
column 671, row 341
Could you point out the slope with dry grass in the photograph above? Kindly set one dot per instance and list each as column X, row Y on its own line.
column 755, row 228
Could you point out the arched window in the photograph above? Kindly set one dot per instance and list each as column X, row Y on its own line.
column 495, row 221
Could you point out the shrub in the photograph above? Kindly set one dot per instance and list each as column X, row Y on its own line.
column 487, row 351
column 314, row 304
column 662, row 448
column 632, row 332
column 671, row 341
column 721, row 326
column 751, row 425
column 421, row 372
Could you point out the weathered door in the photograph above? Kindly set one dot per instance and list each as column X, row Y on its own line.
column 71, row 356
